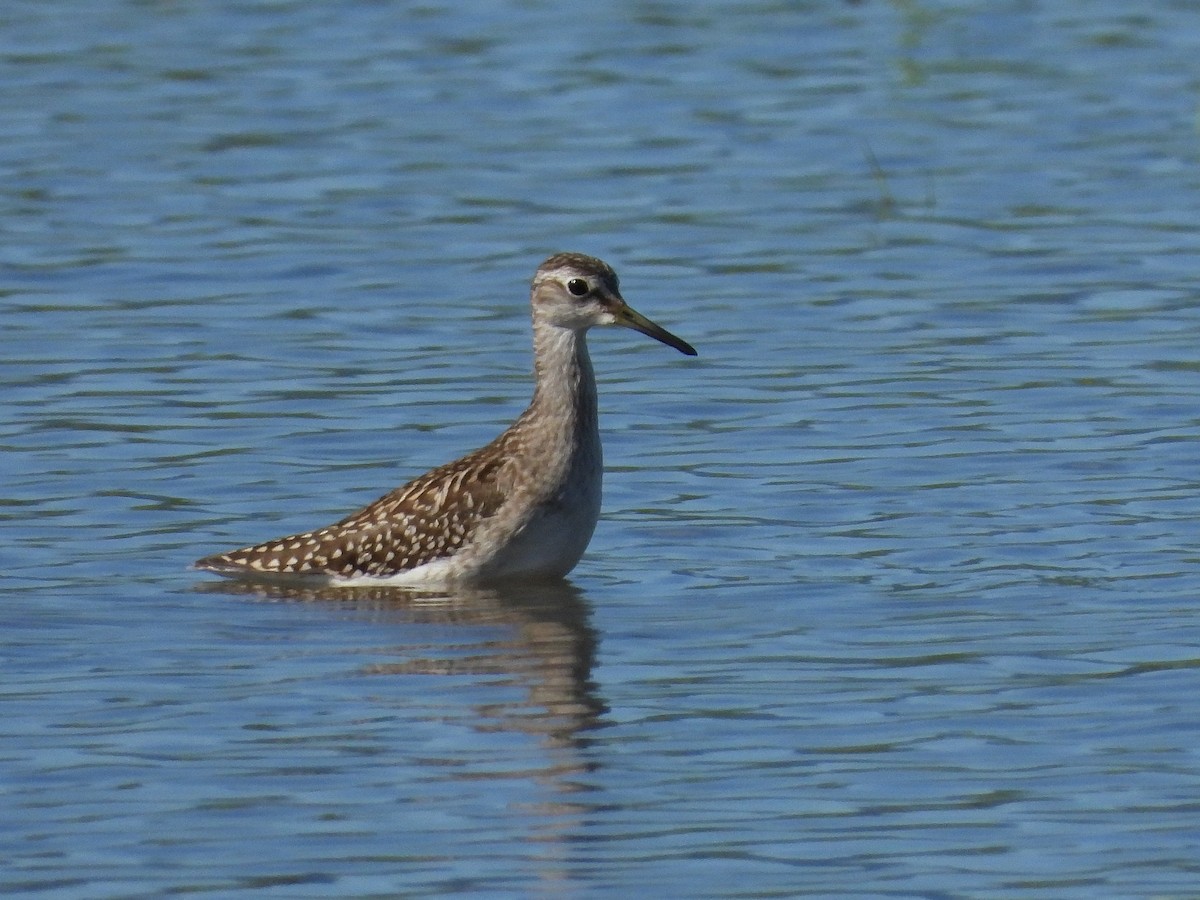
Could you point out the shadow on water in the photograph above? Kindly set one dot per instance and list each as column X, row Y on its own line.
column 538, row 636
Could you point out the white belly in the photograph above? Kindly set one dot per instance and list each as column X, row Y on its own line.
column 552, row 541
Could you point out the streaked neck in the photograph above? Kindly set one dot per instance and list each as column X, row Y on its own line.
column 565, row 390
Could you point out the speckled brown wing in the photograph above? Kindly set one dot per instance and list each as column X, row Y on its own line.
column 429, row 518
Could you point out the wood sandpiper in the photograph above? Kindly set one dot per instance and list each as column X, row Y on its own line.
column 524, row 506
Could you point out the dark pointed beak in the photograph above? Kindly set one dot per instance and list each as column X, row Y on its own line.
column 629, row 317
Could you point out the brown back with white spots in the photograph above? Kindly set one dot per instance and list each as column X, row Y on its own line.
column 427, row 519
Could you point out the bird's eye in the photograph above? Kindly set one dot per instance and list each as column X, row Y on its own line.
column 577, row 286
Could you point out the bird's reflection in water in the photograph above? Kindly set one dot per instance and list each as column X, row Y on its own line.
column 533, row 637
column 543, row 642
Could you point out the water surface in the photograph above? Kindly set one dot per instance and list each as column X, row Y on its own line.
column 895, row 594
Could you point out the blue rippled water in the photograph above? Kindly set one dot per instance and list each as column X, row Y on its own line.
column 895, row 593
